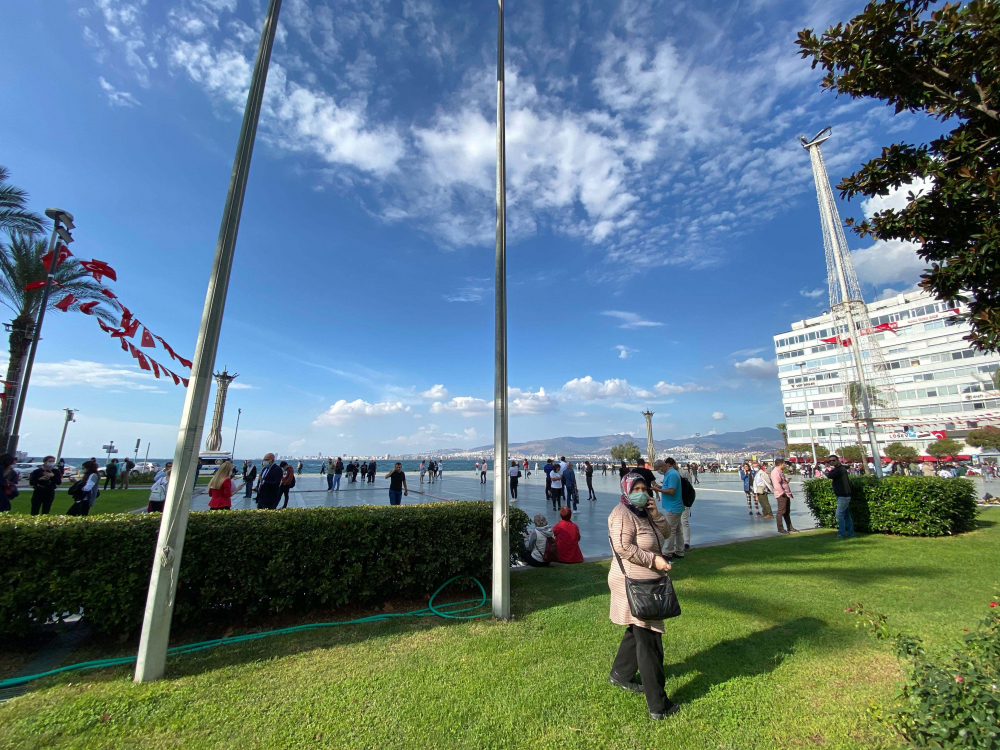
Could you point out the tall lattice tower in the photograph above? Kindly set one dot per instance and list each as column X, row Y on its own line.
column 649, row 436
column 222, row 379
column 869, row 395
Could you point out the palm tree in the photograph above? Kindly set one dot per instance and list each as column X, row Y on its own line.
column 13, row 215
column 21, row 264
column 784, row 435
column 854, row 398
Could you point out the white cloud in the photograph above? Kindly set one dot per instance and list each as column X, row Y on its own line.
column 467, row 406
column 757, row 368
column 897, row 198
column 888, row 262
column 669, row 389
column 812, row 293
column 746, row 352
column 588, row 389
column 437, row 391
column 630, row 319
column 75, row 372
column 527, row 402
column 237, row 385
column 718, row 415
column 470, row 432
column 117, row 98
column 466, row 294
column 296, row 444
column 343, row 411
column 624, row 352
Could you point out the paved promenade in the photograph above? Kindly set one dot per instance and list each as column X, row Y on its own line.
column 719, row 514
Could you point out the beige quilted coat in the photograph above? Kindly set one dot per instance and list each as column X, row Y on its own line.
column 633, row 539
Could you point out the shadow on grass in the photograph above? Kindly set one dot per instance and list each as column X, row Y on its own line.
column 751, row 655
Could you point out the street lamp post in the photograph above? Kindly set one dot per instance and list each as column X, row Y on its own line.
column 62, row 222
column 70, row 417
column 235, row 434
column 155, row 634
column 805, row 397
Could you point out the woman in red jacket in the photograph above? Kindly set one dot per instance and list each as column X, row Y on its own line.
column 220, row 488
column 567, row 538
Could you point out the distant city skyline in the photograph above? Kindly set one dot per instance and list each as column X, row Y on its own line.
column 662, row 220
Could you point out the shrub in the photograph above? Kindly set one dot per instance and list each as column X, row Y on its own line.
column 914, row 506
column 949, row 700
column 240, row 565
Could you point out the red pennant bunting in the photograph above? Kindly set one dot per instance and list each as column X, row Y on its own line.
column 156, row 367
column 124, row 344
column 99, row 269
column 105, row 327
column 143, row 362
column 65, row 302
column 64, row 253
column 185, row 382
column 87, row 307
column 34, row 285
column 147, row 339
column 126, row 316
column 130, row 328
column 185, row 362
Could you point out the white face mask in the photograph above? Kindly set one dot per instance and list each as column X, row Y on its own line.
column 267, row 463
column 50, row 464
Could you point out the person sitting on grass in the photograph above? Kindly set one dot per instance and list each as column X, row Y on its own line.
column 535, row 541
column 567, row 536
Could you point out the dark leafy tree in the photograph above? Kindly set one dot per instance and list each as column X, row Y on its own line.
column 804, row 449
column 900, row 452
column 629, row 451
column 984, row 437
column 946, row 64
column 944, row 447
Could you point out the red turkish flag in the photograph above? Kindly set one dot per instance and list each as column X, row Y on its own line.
column 64, row 253
column 131, row 347
column 130, row 328
column 124, row 344
column 34, row 285
column 831, row 340
column 846, row 342
column 108, row 293
column 99, row 269
column 86, row 307
column 185, row 362
column 143, row 362
column 185, row 382
column 65, row 302
column 126, row 316
column 147, row 339
column 156, row 367
column 104, row 326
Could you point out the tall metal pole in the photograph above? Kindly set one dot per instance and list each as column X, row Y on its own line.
column 649, row 435
column 22, row 389
column 69, row 418
column 809, row 421
column 501, row 543
column 173, row 525
column 236, row 434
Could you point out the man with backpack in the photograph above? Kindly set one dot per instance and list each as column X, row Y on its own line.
column 689, row 476
column 673, row 508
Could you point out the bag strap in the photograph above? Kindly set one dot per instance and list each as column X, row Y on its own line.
column 659, row 546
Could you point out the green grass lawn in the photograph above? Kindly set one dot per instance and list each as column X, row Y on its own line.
column 764, row 656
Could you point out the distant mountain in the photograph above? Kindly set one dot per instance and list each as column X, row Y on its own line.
column 759, row 439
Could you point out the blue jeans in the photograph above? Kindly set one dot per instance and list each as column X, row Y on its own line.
column 336, row 481
column 329, row 482
column 395, row 497
column 845, row 524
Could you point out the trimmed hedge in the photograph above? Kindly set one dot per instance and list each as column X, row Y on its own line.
column 240, row 565
column 912, row 506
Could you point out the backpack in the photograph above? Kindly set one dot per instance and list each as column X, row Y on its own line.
column 687, row 493
column 551, row 550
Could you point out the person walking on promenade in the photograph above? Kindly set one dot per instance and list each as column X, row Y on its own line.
column 694, row 472
column 761, row 487
column 397, row 484
column 91, row 485
column 604, row 468
column 556, row 486
column 423, row 470
column 338, row 472
column 328, row 468
column 515, row 474
column 588, row 473
column 162, row 472
column 842, row 491
column 441, row 467
column 372, row 466
column 622, row 470
column 158, row 492
column 364, row 471
column 111, row 473
column 526, row 472
column 126, row 472
column 249, row 475
column 482, row 472
column 298, row 467
column 635, row 528
column 673, row 508
column 548, row 479
column 567, row 536
column 287, row 481
column 782, row 495
column 220, row 488
column 569, row 487
column 44, row 480
column 686, row 515
column 747, row 474
column 268, row 483
column 535, row 542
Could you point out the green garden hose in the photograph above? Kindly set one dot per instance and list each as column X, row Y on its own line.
column 429, row 610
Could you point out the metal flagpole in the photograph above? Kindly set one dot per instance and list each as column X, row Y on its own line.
column 173, row 525
column 501, row 542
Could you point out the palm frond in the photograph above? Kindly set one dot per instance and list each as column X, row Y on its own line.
column 14, row 215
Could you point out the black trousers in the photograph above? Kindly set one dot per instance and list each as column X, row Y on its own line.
column 557, row 496
column 482, row 477
column 110, row 478
column 285, row 489
column 513, row 487
column 641, row 651
column 249, row 489
column 591, row 495
column 42, row 500
column 268, row 496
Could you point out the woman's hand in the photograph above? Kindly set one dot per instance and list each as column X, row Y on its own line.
column 651, row 508
column 661, row 563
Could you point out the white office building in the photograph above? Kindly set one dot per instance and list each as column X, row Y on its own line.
column 944, row 386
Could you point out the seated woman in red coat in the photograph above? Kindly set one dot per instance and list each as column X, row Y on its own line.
column 567, row 538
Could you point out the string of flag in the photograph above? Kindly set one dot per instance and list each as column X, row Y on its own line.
column 129, row 325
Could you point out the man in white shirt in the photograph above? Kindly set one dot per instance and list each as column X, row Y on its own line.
column 556, row 486
column 482, row 472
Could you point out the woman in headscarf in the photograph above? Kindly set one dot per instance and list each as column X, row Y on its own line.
column 636, row 529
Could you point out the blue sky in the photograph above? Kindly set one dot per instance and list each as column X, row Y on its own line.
column 662, row 218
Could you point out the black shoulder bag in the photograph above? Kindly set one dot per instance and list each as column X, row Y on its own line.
column 652, row 599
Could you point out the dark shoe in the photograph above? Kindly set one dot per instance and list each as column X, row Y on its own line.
column 678, row 556
column 751, row 513
column 632, row 687
column 782, row 531
column 794, row 531
column 687, row 547
column 669, row 712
